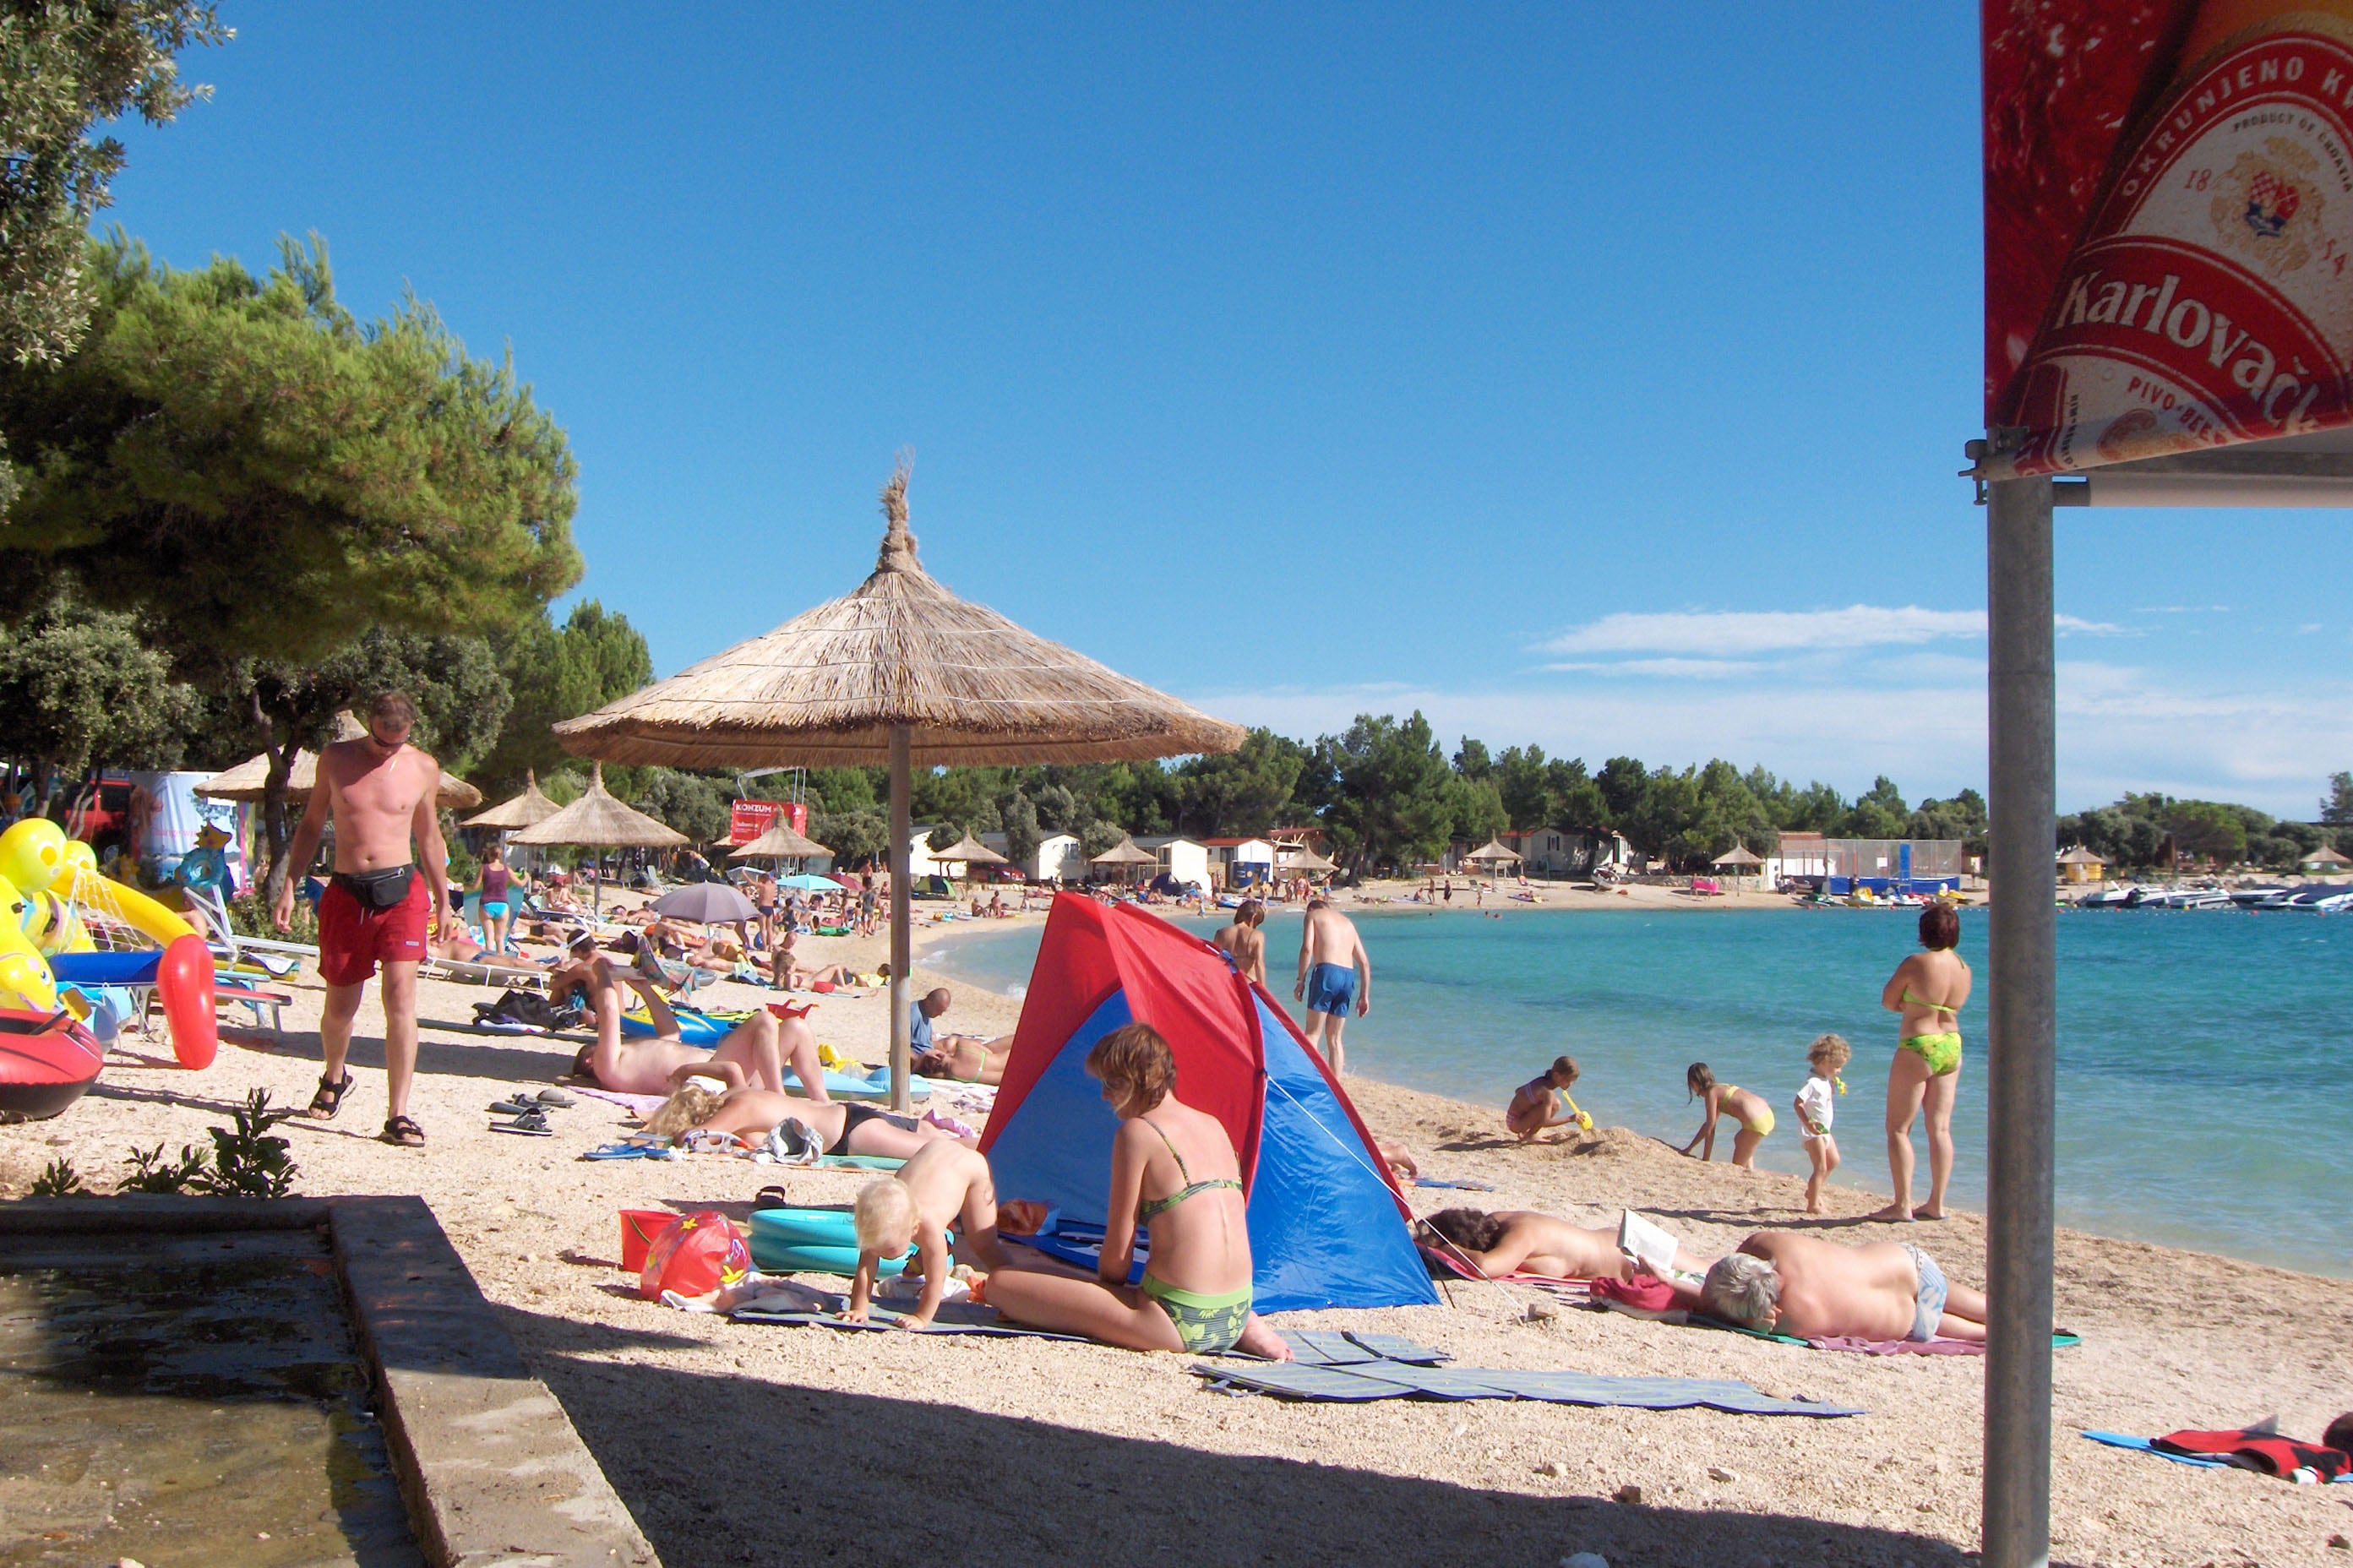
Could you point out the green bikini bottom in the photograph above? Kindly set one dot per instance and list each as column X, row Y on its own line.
column 1206, row 1325
column 1941, row 1052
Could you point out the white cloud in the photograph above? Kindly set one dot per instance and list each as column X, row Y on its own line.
column 1688, row 668
column 2075, row 625
column 1724, row 632
column 2120, row 728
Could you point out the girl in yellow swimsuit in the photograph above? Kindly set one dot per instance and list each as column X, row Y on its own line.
column 1744, row 1106
column 1927, row 991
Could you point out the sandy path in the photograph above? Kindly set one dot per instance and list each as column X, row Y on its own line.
column 737, row 1444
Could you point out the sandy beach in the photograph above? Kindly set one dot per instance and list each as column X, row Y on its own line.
column 739, row 1444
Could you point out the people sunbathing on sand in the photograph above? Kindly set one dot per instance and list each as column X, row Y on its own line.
column 965, row 1059
column 786, row 973
column 1522, row 1241
column 754, row 1052
column 1801, row 1285
column 1196, row 1291
column 833, row 1127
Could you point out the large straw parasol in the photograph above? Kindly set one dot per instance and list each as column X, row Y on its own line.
column 900, row 672
column 970, row 852
column 1308, row 860
column 1739, row 859
column 1492, row 852
column 522, row 811
column 1124, row 854
column 250, row 780
column 597, row 821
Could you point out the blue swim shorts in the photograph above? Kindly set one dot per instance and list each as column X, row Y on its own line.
column 1331, row 987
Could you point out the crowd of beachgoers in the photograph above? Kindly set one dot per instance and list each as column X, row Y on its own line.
column 2169, row 1341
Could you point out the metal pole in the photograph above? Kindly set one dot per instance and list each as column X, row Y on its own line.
column 901, row 913
column 2022, row 1031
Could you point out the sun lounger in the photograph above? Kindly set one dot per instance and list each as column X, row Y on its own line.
column 270, row 1003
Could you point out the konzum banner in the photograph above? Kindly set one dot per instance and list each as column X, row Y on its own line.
column 2169, row 189
column 747, row 819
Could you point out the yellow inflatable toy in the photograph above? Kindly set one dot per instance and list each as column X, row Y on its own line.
column 25, row 978
column 32, row 853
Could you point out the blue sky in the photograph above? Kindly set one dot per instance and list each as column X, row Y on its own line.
column 1595, row 377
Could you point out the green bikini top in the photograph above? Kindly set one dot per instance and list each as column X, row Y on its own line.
column 1954, row 1008
column 1157, row 1206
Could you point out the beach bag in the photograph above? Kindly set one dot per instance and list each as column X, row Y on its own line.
column 525, row 1009
column 695, row 1257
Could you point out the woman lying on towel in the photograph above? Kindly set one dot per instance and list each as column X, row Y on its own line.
column 1196, row 1292
column 833, row 1127
column 1522, row 1241
column 967, row 1058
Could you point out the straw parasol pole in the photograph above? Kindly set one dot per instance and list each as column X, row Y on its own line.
column 597, row 821
column 901, row 672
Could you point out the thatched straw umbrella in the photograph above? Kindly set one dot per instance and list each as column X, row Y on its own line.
column 779, row 842
column 250, row 780
column 1312, row 863
column 970, row 852
column 900, row 672
column 1493, row 853
column 1739, row 860
column 597, row 821
column 1125, row 855
column 529, row 807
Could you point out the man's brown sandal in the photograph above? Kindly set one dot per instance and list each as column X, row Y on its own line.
column 404, row 1132
column 330, row 1098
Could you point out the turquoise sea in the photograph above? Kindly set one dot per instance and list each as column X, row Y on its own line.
column 2197, row 1105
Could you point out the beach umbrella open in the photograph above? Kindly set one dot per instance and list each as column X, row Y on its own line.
column 705, row 903
column 969, row 852
column 597, row 821
column 522, row 811
column 809, row 884
column 904, row 673
column 1491, row 853
column 779, row 842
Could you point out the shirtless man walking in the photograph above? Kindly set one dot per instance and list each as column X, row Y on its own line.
column 379, row 790
column 1333, row 969
column 1244, row 942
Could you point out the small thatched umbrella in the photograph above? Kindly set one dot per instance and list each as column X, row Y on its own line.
column 529, row 807
column 900, row 672
column 597, row 821
column 1492, row 854
column 779, row 842
column 1312, row 863
column 250, row 780
column 969, row 852
column 1125, row 855
column 1739, row 859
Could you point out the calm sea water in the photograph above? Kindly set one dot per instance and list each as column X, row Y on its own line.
column 2201, row 1053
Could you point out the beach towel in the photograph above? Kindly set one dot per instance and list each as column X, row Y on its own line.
column 953, row 1318
column 2200, row 1461
column 1467, row 1186
column 1397, row 1380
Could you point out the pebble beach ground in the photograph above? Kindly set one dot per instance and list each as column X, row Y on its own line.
column 737, row 1444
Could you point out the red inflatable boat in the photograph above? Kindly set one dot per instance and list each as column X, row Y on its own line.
column 45, row 1063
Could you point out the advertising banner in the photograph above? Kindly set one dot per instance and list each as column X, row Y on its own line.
column 751, row 818
column 2169, row 190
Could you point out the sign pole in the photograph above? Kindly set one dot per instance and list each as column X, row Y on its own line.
column 2023, row 1029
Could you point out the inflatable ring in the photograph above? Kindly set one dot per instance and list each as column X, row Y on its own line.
column 46, row 1062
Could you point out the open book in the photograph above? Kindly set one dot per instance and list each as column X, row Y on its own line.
column 1638, row 1238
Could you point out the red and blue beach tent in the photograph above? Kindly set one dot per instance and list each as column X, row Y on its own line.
column 1327, row 1224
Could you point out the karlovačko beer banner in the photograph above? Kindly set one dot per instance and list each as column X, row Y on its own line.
column 2169, row 189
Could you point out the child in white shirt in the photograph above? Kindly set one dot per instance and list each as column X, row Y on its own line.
column 1824, row 1056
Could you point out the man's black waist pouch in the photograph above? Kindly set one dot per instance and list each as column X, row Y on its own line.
column 379, row 889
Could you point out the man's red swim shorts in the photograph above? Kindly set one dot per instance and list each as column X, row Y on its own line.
column 354, row 938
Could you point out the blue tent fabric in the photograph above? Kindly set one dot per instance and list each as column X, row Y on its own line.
column 1323, row 1225
column 1056, row 1146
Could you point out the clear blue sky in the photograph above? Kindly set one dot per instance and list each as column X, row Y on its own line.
column 1301, row 362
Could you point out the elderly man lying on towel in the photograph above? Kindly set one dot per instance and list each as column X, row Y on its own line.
column 1785, row 1283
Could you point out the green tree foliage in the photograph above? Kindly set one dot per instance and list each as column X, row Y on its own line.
column 849, row 789
column 558, row 672
column 2336, row 805
column 855, row 835
column 1240, row 794
column 1962, row 817
column 65, row 65
column 1879, row 813
column 78, row 685
column 1018, row 820
column 262, row 476
column 695, row 803
column 1395, row 805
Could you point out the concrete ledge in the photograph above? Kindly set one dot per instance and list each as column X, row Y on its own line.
column 492, row 1471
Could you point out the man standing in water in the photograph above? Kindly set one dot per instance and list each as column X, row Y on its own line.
column 379, row 790
column 1333, row 969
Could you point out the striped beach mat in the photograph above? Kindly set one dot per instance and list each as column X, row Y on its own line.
column 1396, row 1379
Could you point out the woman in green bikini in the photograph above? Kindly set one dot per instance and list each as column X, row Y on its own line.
column 1196, row 1291
column 1928, row 990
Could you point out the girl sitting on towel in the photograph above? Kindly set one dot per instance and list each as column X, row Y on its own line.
column 1174, row 1168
